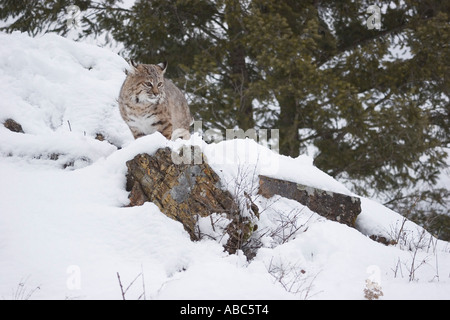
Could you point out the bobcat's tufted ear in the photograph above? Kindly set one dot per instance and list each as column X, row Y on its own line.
column 133, row 66
column 163, row 66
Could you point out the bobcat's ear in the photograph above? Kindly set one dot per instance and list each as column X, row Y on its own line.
column 163, row 66
column 133, row 66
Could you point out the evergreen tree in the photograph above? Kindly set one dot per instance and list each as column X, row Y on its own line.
column 41, row 16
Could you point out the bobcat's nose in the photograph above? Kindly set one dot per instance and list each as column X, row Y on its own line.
column 155, row 91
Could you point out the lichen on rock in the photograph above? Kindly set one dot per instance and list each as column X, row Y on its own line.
column 333, row 206
column 185, row 192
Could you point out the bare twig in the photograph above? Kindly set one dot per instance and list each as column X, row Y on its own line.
column 143, row 284
column 121, row 287
column 21, row 292
column 292, row 277
column 124, row 292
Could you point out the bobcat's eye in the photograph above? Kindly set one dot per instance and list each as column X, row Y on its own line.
column 149, row 84
column 160, row 84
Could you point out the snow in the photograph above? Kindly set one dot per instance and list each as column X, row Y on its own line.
column 66, row 231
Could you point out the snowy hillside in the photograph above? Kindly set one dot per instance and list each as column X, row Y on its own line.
column 66, row 233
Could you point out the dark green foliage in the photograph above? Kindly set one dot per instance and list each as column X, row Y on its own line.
column 38, row 16
column 374, row 103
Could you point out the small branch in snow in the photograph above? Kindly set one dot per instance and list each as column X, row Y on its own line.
column 124, row 292
column 120, row 283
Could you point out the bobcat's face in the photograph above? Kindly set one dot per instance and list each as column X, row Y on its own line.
column 148, row 82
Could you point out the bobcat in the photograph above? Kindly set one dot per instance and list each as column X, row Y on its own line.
column 150, row 103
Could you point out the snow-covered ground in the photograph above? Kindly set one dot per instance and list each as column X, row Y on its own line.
column 66, row 233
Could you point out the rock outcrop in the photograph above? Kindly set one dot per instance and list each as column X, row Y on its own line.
column 333, row 206
column 185, row 192
column 13, row 125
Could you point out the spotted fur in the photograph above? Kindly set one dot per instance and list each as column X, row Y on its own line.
column 148, row 103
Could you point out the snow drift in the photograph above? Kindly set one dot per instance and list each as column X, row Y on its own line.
column 66, row 233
